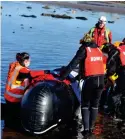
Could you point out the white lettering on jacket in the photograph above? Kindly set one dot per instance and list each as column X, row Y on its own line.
column 96, row 59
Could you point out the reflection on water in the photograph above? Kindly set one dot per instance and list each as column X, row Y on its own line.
column 51, row 42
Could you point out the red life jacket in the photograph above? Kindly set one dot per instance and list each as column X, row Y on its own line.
column 14, row 89
column 122, row 54
column 94, row 62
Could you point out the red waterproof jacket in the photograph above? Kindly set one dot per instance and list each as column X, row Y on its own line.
column 101, row 36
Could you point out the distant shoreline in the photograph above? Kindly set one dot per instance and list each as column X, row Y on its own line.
column 102, row 6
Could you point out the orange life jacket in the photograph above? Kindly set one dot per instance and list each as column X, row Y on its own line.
column 117, row 43
column 122, row 54
column 94, row 62
column 14, row 89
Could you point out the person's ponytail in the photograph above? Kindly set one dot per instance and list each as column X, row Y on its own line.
column 18, row 57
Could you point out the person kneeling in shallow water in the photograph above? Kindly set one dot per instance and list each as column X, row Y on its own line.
column 90, row 58
column 19, row 77
column 116, row 66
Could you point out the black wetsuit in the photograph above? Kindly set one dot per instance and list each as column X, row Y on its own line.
column 92, row 87
column 114, row 66
column 116, row 102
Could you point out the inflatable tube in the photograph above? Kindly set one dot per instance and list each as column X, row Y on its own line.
column 46, row 104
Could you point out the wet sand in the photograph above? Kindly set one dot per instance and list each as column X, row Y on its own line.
column 111, row 7
column 105, row 128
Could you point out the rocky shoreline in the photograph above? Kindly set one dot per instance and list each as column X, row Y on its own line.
column 111, row 7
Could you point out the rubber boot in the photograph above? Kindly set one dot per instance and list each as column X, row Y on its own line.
column 93, row 116
column 85, row 117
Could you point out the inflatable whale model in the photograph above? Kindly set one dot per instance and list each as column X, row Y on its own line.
column 48, row 103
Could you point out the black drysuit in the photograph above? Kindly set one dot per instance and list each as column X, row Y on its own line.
column 114, row 66
column 92, row 87
column 117, row 99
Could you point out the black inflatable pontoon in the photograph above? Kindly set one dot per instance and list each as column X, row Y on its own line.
column 46, row 104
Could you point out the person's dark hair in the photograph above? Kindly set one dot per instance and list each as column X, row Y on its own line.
column 97, row 25
column 123, row 40
column 20, row 57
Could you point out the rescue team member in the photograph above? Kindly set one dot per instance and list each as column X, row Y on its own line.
column 18, row 79
column 19, row 76
column 90, row 58
column 107, row 47
column 116, row 65
column 100, row 33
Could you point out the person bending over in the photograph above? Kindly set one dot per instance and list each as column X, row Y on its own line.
column 90, row 58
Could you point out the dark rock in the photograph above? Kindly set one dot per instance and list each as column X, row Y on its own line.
column 28, row 7
column 9, row 14
column 6, row 15
column 22, row 27
column 13, row 31
column 21, row 24
column 64, row 16
column 30, row 27
column 54, row 11
column 1, row 7
column 46, row 7
column 44, row 14
column 111, row 22
column 33, row 16
column 82, row 18
column 89, row 9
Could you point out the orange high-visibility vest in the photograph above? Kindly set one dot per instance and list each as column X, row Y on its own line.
column 94, row 62
column 14, row 89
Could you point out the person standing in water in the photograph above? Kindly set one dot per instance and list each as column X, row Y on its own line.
column 90, row 58
column 19, row 77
